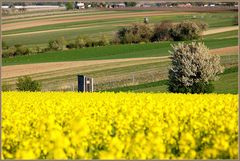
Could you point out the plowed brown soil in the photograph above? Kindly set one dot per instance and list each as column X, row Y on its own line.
column 25, row 69
column 19, row 25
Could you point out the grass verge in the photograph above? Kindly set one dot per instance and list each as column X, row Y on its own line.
column 228, row 83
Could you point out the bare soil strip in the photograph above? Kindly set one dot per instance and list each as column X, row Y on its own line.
column 51, row 75
column 18, row 70
column 19, row 25
column 219, row 30
column 225, row 51
column 72, row 14
column 25, row 69
column 39, row 14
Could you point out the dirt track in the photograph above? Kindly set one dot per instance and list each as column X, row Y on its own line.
column 222, row 29
column 19, row 25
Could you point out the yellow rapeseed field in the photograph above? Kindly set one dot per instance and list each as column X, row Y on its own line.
column 58, row 125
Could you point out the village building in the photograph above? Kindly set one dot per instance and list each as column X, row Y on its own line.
column 79, row 5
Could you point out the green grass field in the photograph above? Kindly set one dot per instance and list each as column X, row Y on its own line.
column 111, row 52
column 212, row 19
column 228, row 83
column 66, row 14
column 137, row 76
column 112, row 75
column 223, row 35
column 107, row 26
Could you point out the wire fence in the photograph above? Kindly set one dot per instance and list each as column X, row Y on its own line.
column 115, row 81
column 109, row 82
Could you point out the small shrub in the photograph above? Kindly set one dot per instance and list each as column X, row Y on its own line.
column 38, row 49
column 135, row 33
column 193, row 68
column 202, row 25
column 53, row 45
column 69, row 6
column 130, row 4
column 103, row 41
column 71, row 45
column 5, row 54
column 10, row 52
column 187, row 30
column 44, row 50
column 89, row 42
column 5, row 87
column 58, row 44
column 143, row 31
column 22, row 50
column 61, row 42
column 80, row 42
column 121, row 34
column 96, row 43
column 162, row 31
column 115, row 40
column 27, row 84
column 130, row 37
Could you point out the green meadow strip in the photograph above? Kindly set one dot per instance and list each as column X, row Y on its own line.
column 112, row 52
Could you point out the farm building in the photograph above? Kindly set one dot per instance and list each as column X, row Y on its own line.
column 34, row 7
column 184, row 5
column 79, row 5
column 119, row 5
column 5, row 7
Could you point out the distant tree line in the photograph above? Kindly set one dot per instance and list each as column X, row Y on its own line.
column 59, row 44
column 136, row 33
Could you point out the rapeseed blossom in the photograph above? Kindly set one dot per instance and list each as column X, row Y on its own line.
column 57, row 125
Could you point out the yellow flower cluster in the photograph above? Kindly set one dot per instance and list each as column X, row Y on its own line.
column 55, row 125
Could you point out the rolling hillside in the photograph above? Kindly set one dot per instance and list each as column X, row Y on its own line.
column 143, row 67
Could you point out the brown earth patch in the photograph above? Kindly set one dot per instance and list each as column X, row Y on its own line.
column 26, row 69
column 22, row 19
column 219, row 30
column 19, row 25
column 225, row 51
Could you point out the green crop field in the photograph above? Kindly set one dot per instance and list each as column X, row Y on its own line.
column 227, row 83
column 149, row 75
column 142, row 70
column 223, row 35
column 107, row 26
column 112, row 52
